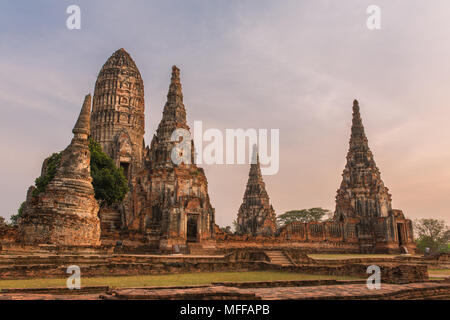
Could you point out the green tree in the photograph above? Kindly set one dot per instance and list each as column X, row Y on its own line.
column 15, row 217
column 432, row 233
column 304, row 215
column 226, row 229
column 235, row 225
column 109, row 182
column 52, row 164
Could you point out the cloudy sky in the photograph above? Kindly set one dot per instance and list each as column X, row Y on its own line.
column 289, row 65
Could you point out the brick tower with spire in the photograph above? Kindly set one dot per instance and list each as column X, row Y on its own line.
column 174, row 205
column 363, row 203
column 118, row 125
column 256, row 215
column 118, row 121
column 362, row 192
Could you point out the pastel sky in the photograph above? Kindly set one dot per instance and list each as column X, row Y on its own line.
column 290, row 65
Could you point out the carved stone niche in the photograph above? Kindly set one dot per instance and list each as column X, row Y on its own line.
column 124, row 153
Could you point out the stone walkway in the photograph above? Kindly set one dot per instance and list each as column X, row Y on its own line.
column 424, row 290
column 350, row 291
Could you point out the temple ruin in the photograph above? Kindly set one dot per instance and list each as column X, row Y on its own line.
column 256, row 215
column 65, row 213
column 168, row 206
column 172, row 199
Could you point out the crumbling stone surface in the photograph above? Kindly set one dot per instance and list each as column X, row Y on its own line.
column 168, row 208
column 118, row 111
column 362, row 192
column 171, row 199
column 363, row 203
column 118, row 124
column 168, row 202
column 66, row 212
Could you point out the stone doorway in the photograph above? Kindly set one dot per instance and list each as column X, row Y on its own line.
column 192, row 229
column 126, row 169
column 401, row 235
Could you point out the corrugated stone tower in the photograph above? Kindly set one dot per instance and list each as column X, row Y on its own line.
column 256, row 215
column 65, row 213
column 362, row 192
column 118, row 121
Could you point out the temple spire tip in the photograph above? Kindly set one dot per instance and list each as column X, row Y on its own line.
column 82, row 126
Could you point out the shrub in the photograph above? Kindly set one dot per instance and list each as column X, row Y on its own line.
column 109, row 182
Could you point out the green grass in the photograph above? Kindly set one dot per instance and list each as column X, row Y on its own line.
column 444, row 272
column 324, row 256
column 169, row 280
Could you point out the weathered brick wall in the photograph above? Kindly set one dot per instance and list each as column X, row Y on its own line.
column 141, row 265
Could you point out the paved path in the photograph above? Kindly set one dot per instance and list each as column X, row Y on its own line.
column 349, row 291
column 422, row 290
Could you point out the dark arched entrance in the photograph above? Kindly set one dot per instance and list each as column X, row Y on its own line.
column 401, row 234
column 192, row 228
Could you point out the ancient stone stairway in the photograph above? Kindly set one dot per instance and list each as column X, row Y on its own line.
column 278, row 257
column 110, row 220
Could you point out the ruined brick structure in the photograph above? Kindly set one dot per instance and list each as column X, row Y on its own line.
column 362, row 193
column 364, row 215
column 65, row 213
column 118, row 124
column 167, row 203
column 256, row 215
column 364, row 220
column 173, row 205
column 363, row 203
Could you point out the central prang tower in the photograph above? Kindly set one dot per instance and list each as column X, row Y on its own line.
column 118, row 121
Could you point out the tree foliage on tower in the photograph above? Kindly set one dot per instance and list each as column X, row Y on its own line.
column 52, row 164
column 303, row 215
column 109, row 182
column 15, row 217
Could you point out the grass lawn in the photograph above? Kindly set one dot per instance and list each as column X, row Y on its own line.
column 443, row 272
column 169, row 280
column 349, row 256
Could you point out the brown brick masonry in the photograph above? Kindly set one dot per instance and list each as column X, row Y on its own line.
column 277, row 290
column 390, row 273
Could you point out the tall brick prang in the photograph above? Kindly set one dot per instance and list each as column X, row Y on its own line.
column 362, row 192
column 363, row 203
column 118, row 121
column 118, row 124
